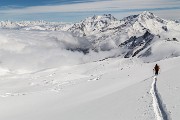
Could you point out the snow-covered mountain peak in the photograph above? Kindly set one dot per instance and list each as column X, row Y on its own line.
column 140, row 17
column 98, row 18
column 103, row 17
column 147, row 14
column 94, row 25
column 143, row 17
column 139, row 24
column 150, row 16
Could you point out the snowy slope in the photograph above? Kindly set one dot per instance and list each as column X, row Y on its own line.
column 109, row 89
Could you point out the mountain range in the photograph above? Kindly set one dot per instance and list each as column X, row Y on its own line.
column 144, row 35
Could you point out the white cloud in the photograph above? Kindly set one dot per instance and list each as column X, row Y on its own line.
column 119, row 8
column 97, row 6
column 29, row 51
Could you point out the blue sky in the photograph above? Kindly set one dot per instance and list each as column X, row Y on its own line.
column 76, row 10
column 27, row 3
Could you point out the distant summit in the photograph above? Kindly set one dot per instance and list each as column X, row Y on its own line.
column 93, row 25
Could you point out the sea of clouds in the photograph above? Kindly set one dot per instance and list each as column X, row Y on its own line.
column 29, row 51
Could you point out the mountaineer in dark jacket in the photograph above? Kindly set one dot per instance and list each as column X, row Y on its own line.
column 156, row 69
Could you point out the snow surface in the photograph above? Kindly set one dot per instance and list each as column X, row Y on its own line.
column 49, row 74
column 109, row 89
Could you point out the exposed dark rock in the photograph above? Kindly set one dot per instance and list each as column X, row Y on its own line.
column 165, row 28
column 136, row 44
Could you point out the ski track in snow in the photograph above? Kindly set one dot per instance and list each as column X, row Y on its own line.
column 158, row 106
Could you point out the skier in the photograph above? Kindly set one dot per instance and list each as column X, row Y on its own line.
column 156, row 69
